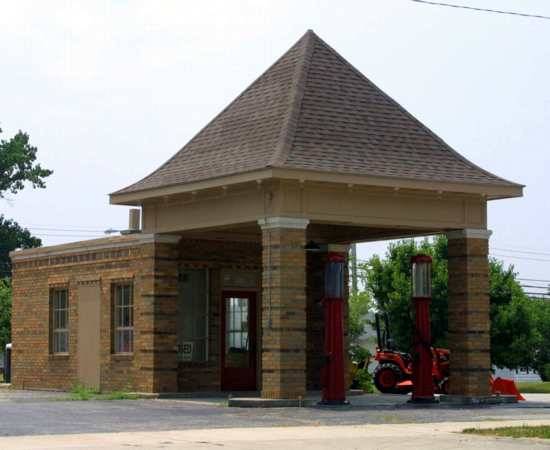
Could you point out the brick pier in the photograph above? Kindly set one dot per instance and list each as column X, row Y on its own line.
column 469, row 321
column 284, row 319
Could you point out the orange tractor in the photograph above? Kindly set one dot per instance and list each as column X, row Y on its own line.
column 394, row 373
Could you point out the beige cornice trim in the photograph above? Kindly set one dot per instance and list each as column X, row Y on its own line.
column 296, row 223
column 469, row 233
column 115, row 243
column 487, row 191
column 136, row 198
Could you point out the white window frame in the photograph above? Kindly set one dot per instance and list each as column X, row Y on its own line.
column 56, row 330
column 119, row 328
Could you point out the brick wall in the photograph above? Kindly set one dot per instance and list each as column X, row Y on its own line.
column 33, row 364
column 153, row 268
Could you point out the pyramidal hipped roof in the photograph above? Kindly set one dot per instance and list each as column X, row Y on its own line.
column 312, row 110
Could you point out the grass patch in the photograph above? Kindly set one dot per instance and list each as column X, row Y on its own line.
column 524, row 431
column 80, row 392
column 534, row 387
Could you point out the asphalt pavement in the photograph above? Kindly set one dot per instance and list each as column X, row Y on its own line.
column 41, row 413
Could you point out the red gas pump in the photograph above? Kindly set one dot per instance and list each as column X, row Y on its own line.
column 334, row 389
column 423, row 384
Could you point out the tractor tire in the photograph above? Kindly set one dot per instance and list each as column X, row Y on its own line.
column 386, row 377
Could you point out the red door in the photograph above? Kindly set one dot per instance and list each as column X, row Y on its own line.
column 238, row 341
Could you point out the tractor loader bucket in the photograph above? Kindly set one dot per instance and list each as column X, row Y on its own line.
column 405, row 386
column 505, row 386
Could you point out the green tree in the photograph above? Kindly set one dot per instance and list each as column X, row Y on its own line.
column 513, row 327
column 5, row 313
column 513, row 334
column 359, row 305
column 12, row 236
column 541, row 312
column 389, row 281
column 18, row 165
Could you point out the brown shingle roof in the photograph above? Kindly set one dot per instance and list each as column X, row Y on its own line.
column 312, row 110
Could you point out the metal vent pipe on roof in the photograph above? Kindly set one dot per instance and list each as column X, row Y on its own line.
column 134, row 219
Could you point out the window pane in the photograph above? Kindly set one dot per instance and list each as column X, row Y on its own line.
column 61, row 342
column 237, row 353
column 64, row 342
column 118, row 296
column 129, row 295
column 192, row 315
column 126, row 317
column 62, row 318
column 124, row 341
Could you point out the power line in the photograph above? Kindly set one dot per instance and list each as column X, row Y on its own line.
column 520, row 257
column 534, row 279
column 473, row 8
column 527, row 252
column 535, row 287
column 537, row 294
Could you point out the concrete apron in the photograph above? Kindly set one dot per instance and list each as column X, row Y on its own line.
column 357, row 398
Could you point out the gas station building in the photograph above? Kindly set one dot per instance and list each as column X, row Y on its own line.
column 216, row 291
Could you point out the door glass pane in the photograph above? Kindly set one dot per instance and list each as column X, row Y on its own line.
column 237, row 345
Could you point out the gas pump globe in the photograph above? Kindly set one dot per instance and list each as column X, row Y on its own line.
column 421, row 276
column 423, row 387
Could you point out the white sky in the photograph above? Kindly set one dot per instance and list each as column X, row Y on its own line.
column 108, row 90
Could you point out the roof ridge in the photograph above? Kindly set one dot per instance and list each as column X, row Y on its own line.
column 410, row 115
column 288, row 129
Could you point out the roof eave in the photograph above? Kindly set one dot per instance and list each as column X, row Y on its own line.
column 136, row 198
column 489, row 191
